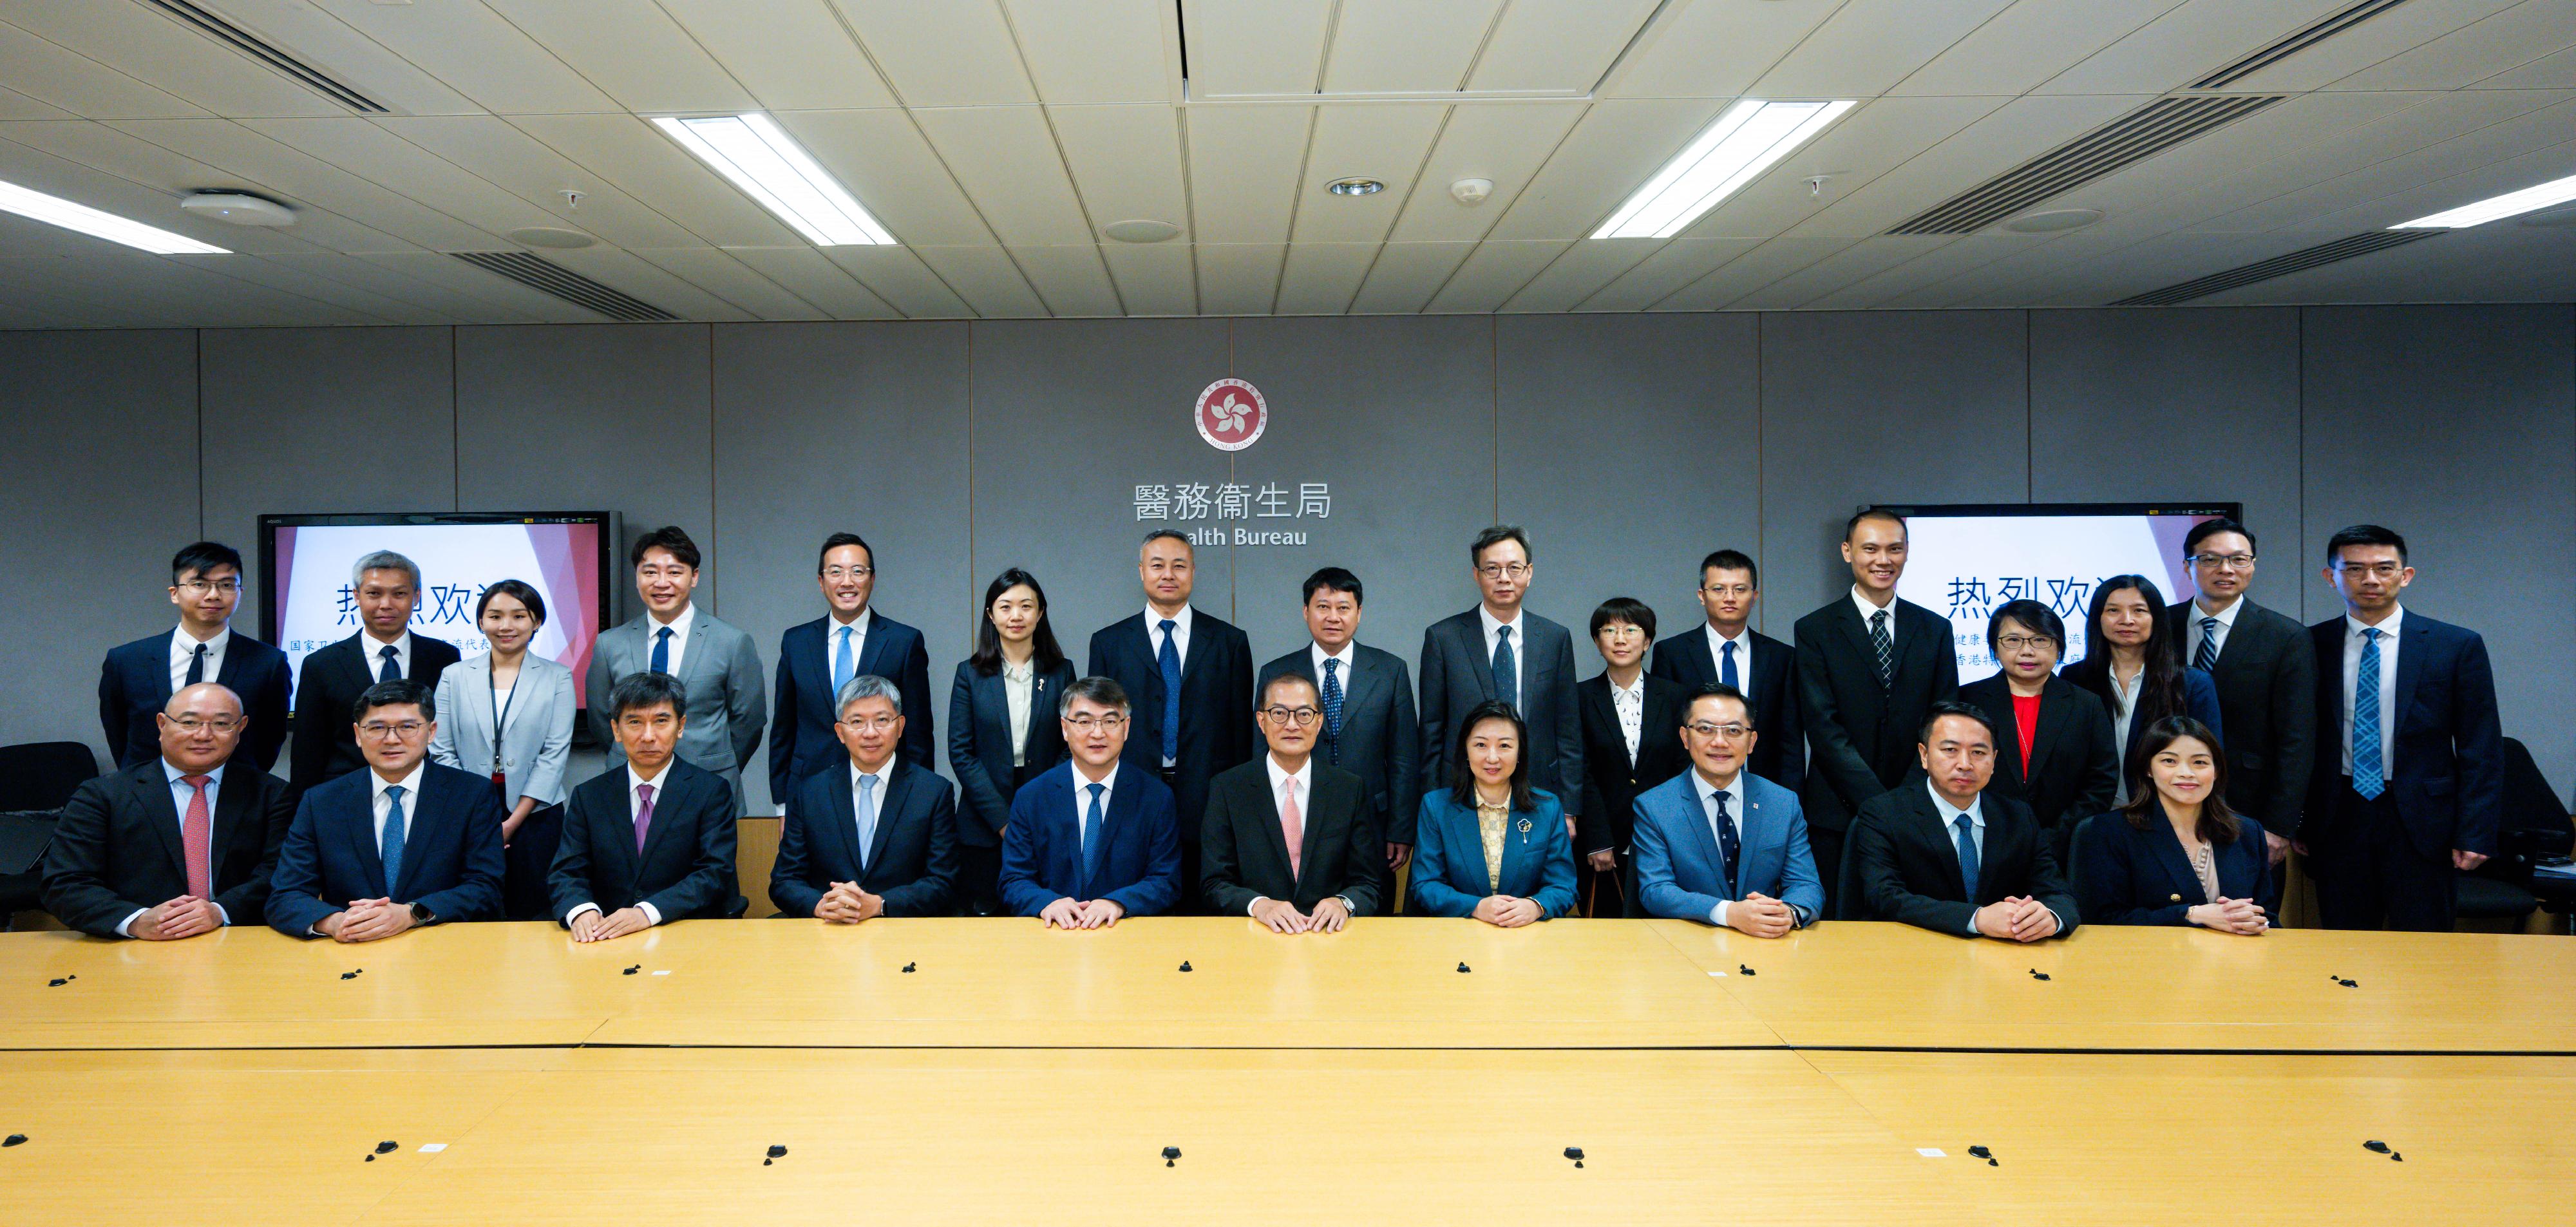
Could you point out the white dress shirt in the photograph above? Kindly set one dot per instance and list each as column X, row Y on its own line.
column 2124, row 710
column 1520, row 650
column 1860, row 601
column 181, row 792
column 1180, row 642
column 1743, row 642
column 1976, row 813
column 1707, row 792
column 634, row 805
column 372, row 648
column 1082, row 802
column 833, row 626
column 183, row 650
column 1019, row 683
column 1349, row 656
column 1629, row 703
column 2352, row 644
column 2192, row 629
column 1304, row 775
column 680, row 625
column 410, row 800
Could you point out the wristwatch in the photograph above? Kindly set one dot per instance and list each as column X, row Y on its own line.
column 420, row 915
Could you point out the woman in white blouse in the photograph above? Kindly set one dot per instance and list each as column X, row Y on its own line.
column 1002, row 730
column 508, row 714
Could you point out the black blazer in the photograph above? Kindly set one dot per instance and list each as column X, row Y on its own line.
column 979, row 745
column 911, row 861
column 1380, row 741
column 134, row 685
column 1457, row 675
column 2074, row 761
column 117, row 849
column 2446, row 753
column 1216, row 704
column 800, row 731
column 333, row 678
column 1780, row 753
column 2267, row 681
column 1903, row 863
column 687, row 866
column 1246, row 854
column 1864, row 734
column 2125, row 876
column 1609, row 808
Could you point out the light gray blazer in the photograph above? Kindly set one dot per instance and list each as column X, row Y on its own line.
column 721, row 670
column 536, row 739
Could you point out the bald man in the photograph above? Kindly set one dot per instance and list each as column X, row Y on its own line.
column 176, row 846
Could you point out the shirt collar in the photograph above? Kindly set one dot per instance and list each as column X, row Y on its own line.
column 832, row 625
column 1154, row 624
column 1976, row 810
column 410, row 783
column 181, row 644
column 2353, row 626
column 1082, row 783
column 1492, row 624
column 1349, row 656
column 1867, row 610
column 2226, row 617
column 1636, row 687
column 373, row 645
column 884, row 774
column 214, row 773
column 1734, row 791
column 1305, row 776
column 679, row 623
column 1743, row 640
column 635, row 777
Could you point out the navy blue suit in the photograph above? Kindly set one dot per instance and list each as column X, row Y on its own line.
column 1681, row 874
column 1140, row 864
column 2125, row 876
column 134, row 685
column 1448, row 874
column 1780, row 753
column 911, row 861
column 451, row 862
column 800, row 733
column 1216, row 704
column 686, row 868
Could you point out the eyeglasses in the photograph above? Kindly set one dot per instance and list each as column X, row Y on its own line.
column 2222, row 562
column 192, row 725
column 228, row 587
column 1728, row 731
column 1106, row 724
column 2015, row 643
column 848, row 572
column 1301, row 716
column 873, row 724
column 405, row 729
column 1498, row 570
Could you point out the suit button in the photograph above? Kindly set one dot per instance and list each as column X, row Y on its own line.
column 2173, row 898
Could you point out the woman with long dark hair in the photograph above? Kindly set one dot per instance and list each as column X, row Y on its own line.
column 2133, row 664
column 1002, row 730
column 2176, row 855
column 1489, row 845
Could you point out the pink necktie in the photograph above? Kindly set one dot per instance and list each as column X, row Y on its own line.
column 1293, row 825
column 196, row 837
column 643, row 815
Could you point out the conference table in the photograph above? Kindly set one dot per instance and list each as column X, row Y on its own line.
column 1404, row 1070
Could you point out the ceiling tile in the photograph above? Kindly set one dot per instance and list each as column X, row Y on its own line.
column 809, row 275
column 1126, row 162
column 1495, row 271
column 1774, row 259
column 1370, row 141
column 1238, row 278
column 631, row 50
column 1556, row 46
column 371, row 152
column 440, row 295
column 520, row 303
column 987, row 279
column 881, row 157
column 649, row 281
column 1503, row 143
column 487, row 147
column 1962, row 255
column 636, row 158
column 1714, row 48
column 1322, row 278
column 1154, row 278
column 80, row 85
column 2190, row 41
column 720, row 274
column 1098, row 50
column 1006, row 159
column 1614, row 150
column 790, row 54
column 1420, row 47
column 899, row 277
column 1240, row 48
column 1864, row 259
column 1868, row 46
column 15, row 106
column 1873, row 139
column 2392, row 32
column 316, row 37
column 2028, row 43
column 473, row 50
column 1406, row 275
column 1071, row 280
column 1672, row 266
column 141, row 42
column 1580, row 272
column 251, row 160
column 2482, row 50
column 1244, row 162
column 947, row 54
column 2002, row 139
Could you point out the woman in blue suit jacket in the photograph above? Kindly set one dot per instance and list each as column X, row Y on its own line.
column 2176, row 856
column 508, row 714
column 1489, row 845
column 993, row 750
column 2136, row 668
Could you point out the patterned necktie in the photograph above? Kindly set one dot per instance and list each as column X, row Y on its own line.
column 842, row 665
column 196, row 839
column 867, row 818
column 662, row 651
column 196, row 666
column 390, row 848
column 2206, row 658
column 1292, row 827
column 1332, row 696
column 643, row 815
column 1170, row 660
column 2368, row 777
column 392, row 671
column 1729, row 844
column 1886, row 647
column 1726, row 665
column 1091, row 837
column 1507, row 669
column 1968, row 869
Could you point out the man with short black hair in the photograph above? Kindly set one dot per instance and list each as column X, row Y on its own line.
column 2266, row 675
column 138, row 679
column 651, row 839
column 876, row 836
column 714, row 661
column 1286, row 840
column 816, row 659
column 1366, row 695
column 1095, row 841
column 1725, row 649
column 1950, row 856
column 386, row 588
column 1719, row 844
column 1501, row 651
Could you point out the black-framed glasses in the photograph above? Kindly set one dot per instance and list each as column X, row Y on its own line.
column 2222, row 562
column 1300, row 716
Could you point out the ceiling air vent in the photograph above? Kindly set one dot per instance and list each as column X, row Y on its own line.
column 2277, row 266
column 215, row 26
column 547, row 277
column 2117, row 145
column 2296, row 41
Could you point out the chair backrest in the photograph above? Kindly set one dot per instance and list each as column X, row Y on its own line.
column 2529, row 803
column 43, row 774
column 24, row 836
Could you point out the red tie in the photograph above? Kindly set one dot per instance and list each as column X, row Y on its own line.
column 1293, row 825
column 196, row 836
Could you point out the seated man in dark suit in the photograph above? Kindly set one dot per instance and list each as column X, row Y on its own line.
column 1286, row 840
column 1949, row 856
column 139, row 677
column 386, row 588
column 1096, row 840
column 185, row 829
column 405, row 842
column 877, row 837
column 1366, row 694
column 651, row 839
column 1719, row 844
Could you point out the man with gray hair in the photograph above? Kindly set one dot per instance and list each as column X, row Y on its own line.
column 877, row 837
column 384, row 590
column 652, row 838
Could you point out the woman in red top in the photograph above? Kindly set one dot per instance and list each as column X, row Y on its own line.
column 2062, row 759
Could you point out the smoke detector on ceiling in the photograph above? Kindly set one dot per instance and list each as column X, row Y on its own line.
column 238, row 208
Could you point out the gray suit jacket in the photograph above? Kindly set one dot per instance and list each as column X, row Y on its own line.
column 727, row 706
column 536, row 736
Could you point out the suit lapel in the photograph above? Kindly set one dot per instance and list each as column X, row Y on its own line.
column 362, row 833
column 161, row 802
column 1472, row 632
column 898, row 785
column 1122, row 807
column 664, row 799
column 2170, row 858
column 2056, row 724
column 1271, row 834
column 845, row 815
column 1945, row 845
column 2232, row 651
column 1703, row 836
column 232, row 807
column 1848, row 619
column 2414, row 640
column 694, row 659
column 1201, row 643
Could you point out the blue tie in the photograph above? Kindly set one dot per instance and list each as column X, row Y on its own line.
column 1726, row 665
column 1967, row 855
column 1332, row 696
column 867, row 818
column 1170, row 659
column 392, row 671
column 662, row 651
column 2368, row 777
column 391, row 849
column 1729, row 845
column 1091, row 837
column 1507, row 670
column 2206, row 658
column 842, row 665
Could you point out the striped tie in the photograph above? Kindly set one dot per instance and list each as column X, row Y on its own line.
column 2206, row 658
column 2368, row 777
column 1878, row 639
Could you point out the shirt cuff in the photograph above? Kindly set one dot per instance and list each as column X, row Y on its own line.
column 575, row 914
column 125, row 927
column 652, row 914
column 222, row 917
column 1717, row 915
column 1972, row 922
column 1253, row 909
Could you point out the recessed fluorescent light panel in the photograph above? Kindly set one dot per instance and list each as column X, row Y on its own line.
column 759, row 158
column 1743, row 143
column 28, row 202
column 2556, row 191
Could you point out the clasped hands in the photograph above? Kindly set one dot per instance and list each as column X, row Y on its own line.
column 2229, row 916
column 1282, row 916
column 2020, row 918
column 185, row 916
column 366, row 920
column 1506, row 911
column 591, row 926
column 1068, row 912
column 846, row 904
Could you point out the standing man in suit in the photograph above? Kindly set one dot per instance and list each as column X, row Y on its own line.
column 1499, row 651
column 651, row 839
column 1726, row 649
column 1870, row 667
column 386, row 588
column 713, row 660
column 1094, row 841
column 137, row 680
column 1191, row 675
column 1950, row 856
column 1366, row 695
column 1719, row 844
column 184, row 829
column 819, row 657
column 877, row 837
column 2266, row 674
column 1630, row 744
column 2415, row 791
column 1287, row 840
column 404, row 843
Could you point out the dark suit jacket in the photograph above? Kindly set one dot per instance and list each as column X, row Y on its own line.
column 912, row 858
column 1140, row 868
column 1246, row 854
column 2074, row 767
column 687, row 867
column 117, row 849
column 134, row 685
column 2445, row 757
column 1904, row 864
column 1609, row 814
column 1864, row 734
column 800, row 733
column 333, row 678
column 979, row 745
column 451, row 861
column 1780, row 755
column 1457, row 675
column 1380, row 739
column 2200, row 702
column 2267, row 680
column 1216, row 704
column 2125, row 876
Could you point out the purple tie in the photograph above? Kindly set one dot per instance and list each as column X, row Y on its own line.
column 643, row 815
